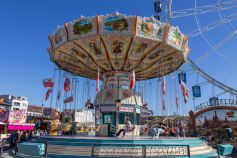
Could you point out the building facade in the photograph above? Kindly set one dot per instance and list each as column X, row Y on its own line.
column 16, row 102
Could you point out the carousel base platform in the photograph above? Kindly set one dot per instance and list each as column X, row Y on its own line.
column 83, row 147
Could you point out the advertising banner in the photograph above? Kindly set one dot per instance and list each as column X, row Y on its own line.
column 17, row 117
column 126, row 109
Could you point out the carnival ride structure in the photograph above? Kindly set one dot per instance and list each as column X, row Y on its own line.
column 118, row 50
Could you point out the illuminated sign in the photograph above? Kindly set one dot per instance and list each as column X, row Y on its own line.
column 211, row 103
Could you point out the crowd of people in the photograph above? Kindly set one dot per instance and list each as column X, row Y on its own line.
column 155, row 131
column 19, row 136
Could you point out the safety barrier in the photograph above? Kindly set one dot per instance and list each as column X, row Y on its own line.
column 118, row 150
column 139, row 150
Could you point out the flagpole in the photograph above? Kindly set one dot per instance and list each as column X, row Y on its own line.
column 51, row 99
column 176, row 94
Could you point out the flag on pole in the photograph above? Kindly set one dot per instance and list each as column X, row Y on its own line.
column 67, row 85
column 184, row 91
column 68, row 100
column 48, row 93
column 48, row 83
column 177, row 100
column 132, row 80
column 98, row 82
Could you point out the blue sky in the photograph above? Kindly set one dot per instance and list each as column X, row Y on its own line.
column 25, row 26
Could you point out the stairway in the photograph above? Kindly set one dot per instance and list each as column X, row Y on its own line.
column 78, row 147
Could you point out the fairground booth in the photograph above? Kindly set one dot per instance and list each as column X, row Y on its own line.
column 4, row 112
column 17, row 121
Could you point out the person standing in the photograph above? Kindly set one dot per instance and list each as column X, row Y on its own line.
column 23, row 137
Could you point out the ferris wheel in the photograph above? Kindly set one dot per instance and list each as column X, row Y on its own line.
column 214, row 23
column 210, row 26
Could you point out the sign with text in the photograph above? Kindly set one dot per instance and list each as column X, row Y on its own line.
column 17, row 117
column 216, row 102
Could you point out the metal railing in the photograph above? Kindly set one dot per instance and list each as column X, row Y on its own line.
column 129, row 150
column 139, row 150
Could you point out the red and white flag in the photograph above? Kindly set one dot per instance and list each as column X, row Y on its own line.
column 68, row 100
column 132, row 80
column 48, row 83
column 184, row 91
column 98, row 82
column 67, row 85
column 50, row 90
column 177, row 100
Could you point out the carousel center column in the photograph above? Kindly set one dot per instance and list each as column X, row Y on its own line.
column 116, row 102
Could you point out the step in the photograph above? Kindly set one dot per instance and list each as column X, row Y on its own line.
column 201, row 147
column 201, row 152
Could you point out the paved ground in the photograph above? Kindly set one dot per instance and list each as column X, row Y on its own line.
column 7, row 153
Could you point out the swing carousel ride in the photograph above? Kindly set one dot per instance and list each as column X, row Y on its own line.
column 121, row 53
column 118, row 50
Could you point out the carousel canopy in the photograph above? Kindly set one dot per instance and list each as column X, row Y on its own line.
column 118, row 43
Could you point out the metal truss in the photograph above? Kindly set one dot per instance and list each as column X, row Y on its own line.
column 212, row 80
column 205, row 9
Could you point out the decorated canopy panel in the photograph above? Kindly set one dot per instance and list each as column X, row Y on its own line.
column 118, row 43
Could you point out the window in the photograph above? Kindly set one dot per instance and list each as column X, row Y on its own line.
column 24, row 104
column 121, row 117
column 15, row 109
column 16, row 104
column 106, row 118
column 137, row 119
